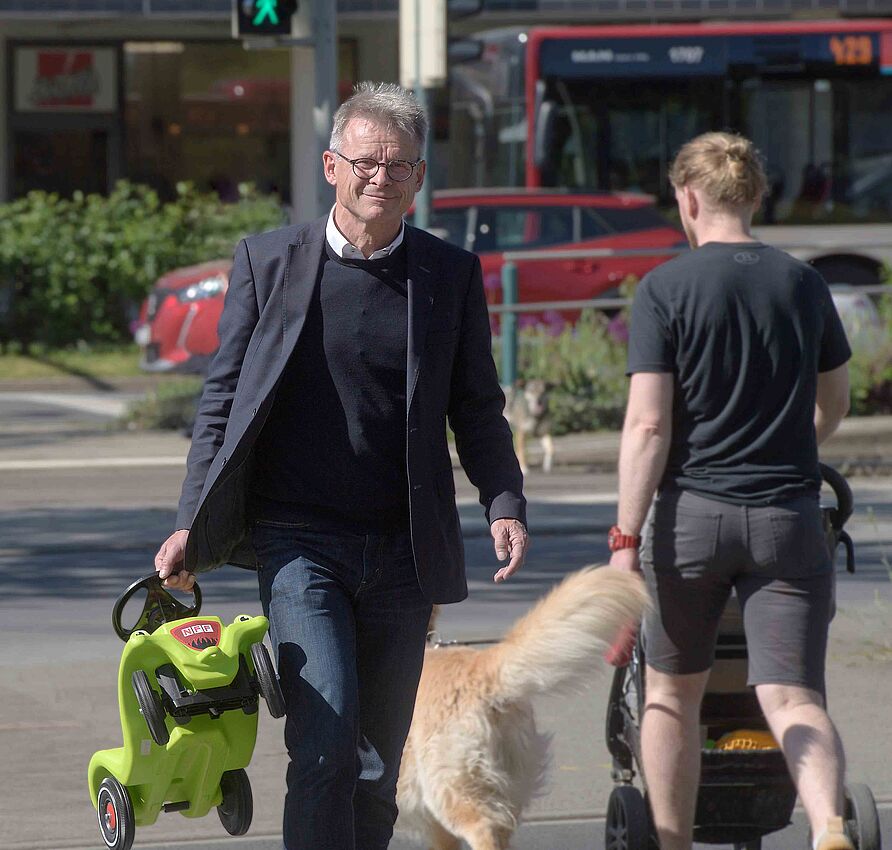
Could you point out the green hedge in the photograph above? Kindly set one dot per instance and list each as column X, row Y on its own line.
column 870, row 369
column 75, row 269
column 584, row 366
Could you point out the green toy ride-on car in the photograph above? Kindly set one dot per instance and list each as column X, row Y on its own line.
column 188, row 690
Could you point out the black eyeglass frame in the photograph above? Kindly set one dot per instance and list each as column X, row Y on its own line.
column 412, row 165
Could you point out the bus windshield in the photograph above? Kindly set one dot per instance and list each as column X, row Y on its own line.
column 607, row 108
column 826, row 145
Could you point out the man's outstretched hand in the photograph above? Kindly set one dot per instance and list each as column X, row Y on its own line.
column 511, row 540
column 170, row 562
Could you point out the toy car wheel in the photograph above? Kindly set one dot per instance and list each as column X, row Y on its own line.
column 626, row 825
column 237, row 808
column 150, row 707
column 115, row 812
column 862, row 820
column 267, row 680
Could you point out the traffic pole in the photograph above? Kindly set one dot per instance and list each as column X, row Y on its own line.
column 423, row 198
column 509, row 325
column 326, row 77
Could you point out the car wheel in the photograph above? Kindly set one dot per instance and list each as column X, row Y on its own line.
column 267, row 680
column 150, row 707
column 115, row 812
column 237, row 807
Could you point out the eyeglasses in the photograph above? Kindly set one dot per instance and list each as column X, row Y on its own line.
column 398, row 170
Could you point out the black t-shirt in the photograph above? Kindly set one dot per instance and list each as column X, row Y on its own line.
column 745, row 329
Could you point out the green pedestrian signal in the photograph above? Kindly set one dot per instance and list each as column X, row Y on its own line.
column 266, row 10
column 255, row 18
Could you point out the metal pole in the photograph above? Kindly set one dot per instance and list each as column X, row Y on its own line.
column 509, row 325
column 326, row 76
column 306, row 167
column 423, row 198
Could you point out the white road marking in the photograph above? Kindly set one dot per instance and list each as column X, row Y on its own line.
column 99, row 405
column 559, row 499
column 89, row 463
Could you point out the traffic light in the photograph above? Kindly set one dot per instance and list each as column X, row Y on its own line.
column 258, row 18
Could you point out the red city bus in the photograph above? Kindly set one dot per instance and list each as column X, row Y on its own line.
column 605, row 108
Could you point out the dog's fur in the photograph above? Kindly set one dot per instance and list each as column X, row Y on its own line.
column 526, row 409
column 474, row 759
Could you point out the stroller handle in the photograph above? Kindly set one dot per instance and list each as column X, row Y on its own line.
column 844, row 500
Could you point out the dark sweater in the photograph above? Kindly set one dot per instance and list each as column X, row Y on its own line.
column 333, row 450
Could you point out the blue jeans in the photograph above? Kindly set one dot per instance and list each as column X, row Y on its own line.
column 347, row 623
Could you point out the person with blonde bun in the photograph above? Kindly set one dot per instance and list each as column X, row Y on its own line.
column 737, row 360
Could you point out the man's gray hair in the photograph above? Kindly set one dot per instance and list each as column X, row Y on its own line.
column 386, row 103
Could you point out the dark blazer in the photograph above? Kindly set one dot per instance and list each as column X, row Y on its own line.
column 449, row 373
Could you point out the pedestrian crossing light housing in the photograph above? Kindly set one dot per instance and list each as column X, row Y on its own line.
column 258, row 18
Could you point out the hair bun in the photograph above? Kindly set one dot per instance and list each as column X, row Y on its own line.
column 736, row 152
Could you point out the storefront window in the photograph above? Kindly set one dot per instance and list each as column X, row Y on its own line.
column 213, row 114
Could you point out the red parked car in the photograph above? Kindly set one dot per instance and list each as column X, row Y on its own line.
column 177, row 326
column 492, row 221
column 179, row 319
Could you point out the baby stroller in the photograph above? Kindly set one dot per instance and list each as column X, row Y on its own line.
column 744, row 793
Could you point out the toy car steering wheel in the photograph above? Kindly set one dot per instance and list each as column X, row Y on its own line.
column 160, row 606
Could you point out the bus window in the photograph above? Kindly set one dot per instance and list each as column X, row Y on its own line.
column 862, row 188
column 791, row 125
column 622, row 135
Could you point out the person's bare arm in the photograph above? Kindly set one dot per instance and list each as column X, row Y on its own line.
column 832, row 403
column 644, row 449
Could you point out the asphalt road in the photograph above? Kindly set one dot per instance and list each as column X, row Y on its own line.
column 81, row 513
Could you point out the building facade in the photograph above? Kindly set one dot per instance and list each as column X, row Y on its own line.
column 159, row 92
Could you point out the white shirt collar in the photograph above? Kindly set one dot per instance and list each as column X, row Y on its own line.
column 339, row 244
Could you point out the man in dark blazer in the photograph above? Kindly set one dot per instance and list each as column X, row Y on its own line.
column 319, row 456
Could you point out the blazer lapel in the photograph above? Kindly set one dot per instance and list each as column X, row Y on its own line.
column 301, row 271
column 420, row 283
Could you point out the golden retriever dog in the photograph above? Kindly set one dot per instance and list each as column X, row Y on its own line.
column 474, row 759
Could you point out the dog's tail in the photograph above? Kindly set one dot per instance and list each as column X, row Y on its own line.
column 564, row 636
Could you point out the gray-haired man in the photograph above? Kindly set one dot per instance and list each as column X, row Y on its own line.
column 319, row 455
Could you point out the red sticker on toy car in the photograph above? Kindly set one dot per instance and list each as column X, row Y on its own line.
column 197, row 634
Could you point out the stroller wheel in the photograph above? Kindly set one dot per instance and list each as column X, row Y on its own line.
column 627, row 823
column 150, row 707
column 862, row 820
column 267, row 681
column 115, row 812
column 237, row 808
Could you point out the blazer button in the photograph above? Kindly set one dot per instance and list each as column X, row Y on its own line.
column 412, row 430
column 416, row 487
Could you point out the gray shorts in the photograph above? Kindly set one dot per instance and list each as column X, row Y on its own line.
column 775, row 558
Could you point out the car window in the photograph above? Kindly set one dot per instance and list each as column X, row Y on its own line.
column 518, row 227
column 626, row 219
column 452, row 225
column 592, row 226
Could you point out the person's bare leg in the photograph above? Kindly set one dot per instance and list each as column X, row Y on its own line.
column 812, row 748
column 670, row 751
